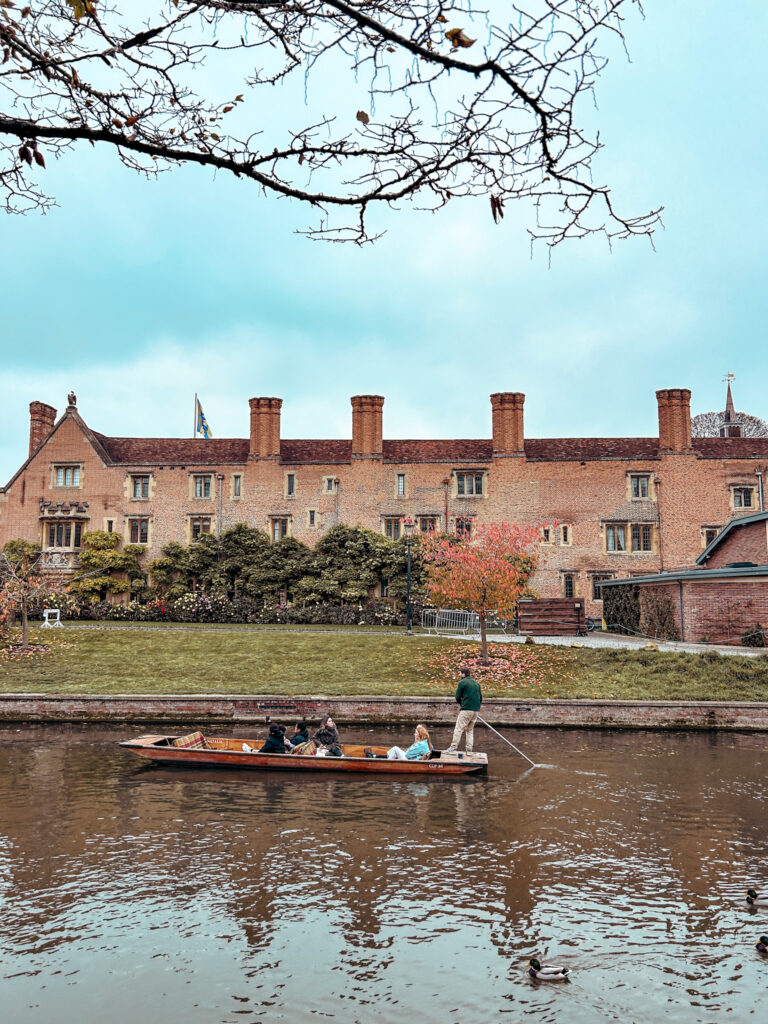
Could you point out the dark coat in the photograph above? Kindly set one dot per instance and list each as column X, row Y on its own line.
column 300, row 737
column 327, row 737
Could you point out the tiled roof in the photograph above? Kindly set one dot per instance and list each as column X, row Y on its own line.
column 641, row 510
column 462, row 450
column 730, row 447
column 318, row 452
column 148, row 451
column 590, row 449
column 163, row 451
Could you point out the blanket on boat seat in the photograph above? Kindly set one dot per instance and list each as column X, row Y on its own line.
column 193, row 741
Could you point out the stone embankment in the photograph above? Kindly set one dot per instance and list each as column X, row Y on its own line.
column 250, row 709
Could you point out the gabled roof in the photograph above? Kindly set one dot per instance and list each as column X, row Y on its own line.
column 756, row 517
column 70, row 413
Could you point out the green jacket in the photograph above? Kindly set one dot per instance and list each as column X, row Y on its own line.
column 469, row 695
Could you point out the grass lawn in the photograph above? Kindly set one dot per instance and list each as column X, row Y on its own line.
column 147, row 660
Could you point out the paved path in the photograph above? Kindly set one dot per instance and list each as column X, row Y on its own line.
column 617, row 641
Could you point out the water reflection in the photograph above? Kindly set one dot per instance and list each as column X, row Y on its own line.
column 220, row 896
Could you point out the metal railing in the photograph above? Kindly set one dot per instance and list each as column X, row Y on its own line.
column 446, row 620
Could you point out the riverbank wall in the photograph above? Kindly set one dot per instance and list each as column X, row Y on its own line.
column 215, row 709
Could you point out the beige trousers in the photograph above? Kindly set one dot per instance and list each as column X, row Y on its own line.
column 465, row 723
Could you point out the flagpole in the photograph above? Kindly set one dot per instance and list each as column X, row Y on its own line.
column 194, row 420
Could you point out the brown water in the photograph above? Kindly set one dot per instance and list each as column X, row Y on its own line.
column 131, row 892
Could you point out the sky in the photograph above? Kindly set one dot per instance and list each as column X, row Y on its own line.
column 138, row 294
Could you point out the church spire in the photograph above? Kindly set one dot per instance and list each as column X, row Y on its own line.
column 730, row 426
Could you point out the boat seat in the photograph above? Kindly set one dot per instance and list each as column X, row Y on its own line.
column 193, row 741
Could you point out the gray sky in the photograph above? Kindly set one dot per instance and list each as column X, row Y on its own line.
column 137, row 294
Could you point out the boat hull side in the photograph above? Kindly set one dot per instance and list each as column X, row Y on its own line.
column 182, row 758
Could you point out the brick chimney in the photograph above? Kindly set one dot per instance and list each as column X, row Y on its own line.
column 507, row 412
column 41, row 420
column 674, row 419
column 367, row 415
column 265, row 428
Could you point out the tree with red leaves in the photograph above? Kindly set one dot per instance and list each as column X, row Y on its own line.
column 486, row 574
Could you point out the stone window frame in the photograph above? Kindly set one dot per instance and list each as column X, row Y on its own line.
column 464, row 526
column 612, row 530
column 279, row 524
column 639, row 474
column 643, row 532
column 133, row 480
column 193, row 487
column 706, row 529
column 138, row 522
column 568, row 581
column 460, row 479
column 289, row 484
column 741, row 487
column 566, row 535
column 597, row 576
column 330, row 485
column 203, row 520
column 434, row 520
column 236, row 486
column 72, row 531
column 401, row 477
column 547, row 534
column 628, row 531
column 312, row 519
column 392, row 527
column 77, row 469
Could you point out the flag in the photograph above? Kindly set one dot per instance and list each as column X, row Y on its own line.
column 201, row 423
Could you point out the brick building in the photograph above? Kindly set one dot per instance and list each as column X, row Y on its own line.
column 720, row 601
column 608, row 507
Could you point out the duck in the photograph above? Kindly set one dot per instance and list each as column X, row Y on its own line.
column 756, row 901
column 762, row 945
column 547, row 972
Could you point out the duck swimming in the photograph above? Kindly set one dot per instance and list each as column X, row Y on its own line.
column 756, row 901
column 762, row 945
column 547, row 972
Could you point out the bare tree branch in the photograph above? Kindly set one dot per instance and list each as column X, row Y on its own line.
column 342, row 105
column 708, row 424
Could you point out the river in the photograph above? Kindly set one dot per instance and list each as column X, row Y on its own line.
column 134, row 892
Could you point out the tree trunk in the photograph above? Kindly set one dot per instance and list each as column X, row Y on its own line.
column 24, row 624
column 483, row 640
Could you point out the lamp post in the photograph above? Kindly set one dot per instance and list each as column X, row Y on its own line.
column 408, row 527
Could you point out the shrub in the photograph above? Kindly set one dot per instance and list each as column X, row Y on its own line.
column 754, row 637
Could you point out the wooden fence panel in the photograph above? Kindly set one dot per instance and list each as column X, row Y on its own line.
column 552, row 616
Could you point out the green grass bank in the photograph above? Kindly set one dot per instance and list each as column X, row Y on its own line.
column 153, row 661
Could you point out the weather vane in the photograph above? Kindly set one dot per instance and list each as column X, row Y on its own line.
column 728, row 378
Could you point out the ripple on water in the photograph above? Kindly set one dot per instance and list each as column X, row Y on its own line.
column 227, row 897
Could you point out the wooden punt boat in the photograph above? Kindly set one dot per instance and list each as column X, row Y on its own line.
column 196, row 750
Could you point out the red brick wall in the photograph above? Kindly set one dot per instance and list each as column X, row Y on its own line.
column 692, row 491
column 743, row 544
column 721, row 611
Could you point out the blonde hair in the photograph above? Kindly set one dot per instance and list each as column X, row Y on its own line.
column 423, row 734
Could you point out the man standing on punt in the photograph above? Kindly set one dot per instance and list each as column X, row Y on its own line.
column 469, row 697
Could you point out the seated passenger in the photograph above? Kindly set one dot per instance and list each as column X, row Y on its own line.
column 301, row 735
column 328, row 736
column 275, row 742
column 421, row 745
